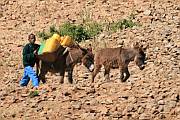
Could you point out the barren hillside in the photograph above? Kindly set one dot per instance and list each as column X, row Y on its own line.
column 151, row 94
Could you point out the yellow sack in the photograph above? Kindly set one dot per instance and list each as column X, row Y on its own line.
column 52, row 44
column 67, row 41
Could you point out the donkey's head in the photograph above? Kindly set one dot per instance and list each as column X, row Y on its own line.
column 139, row 56
column 88, row 59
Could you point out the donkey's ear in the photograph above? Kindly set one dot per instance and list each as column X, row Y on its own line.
column 145, row 47
column 89, row 48
column 135, row 45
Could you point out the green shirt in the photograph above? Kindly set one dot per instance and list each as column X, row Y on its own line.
column 28, row 54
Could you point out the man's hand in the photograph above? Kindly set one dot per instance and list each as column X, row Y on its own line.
column 36, row 52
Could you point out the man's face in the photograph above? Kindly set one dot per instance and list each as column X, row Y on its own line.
column 32, row 39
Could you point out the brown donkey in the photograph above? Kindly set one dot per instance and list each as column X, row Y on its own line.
column 118, row 58
column 66, row 62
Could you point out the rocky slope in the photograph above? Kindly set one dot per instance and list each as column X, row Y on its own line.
column 149, row 94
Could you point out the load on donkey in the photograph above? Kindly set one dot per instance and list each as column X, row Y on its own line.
column 61, row 54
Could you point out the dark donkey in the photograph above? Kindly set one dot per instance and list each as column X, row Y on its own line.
column 118, row 58
column 66, row 62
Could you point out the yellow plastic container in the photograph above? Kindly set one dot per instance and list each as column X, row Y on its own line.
column 47, row 51
column 52, row 44
column 66, row 41
column 56, row 36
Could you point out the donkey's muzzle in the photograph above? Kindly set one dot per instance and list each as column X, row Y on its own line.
column 141, row 67
column 91, row 68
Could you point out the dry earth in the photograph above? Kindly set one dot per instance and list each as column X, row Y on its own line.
column 151, row 94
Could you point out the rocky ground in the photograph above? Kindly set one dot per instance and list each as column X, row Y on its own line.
column 151, row 94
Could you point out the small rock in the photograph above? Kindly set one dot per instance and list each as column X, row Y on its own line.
column 76, row 105
column 161, row 102
column 109, row 101
column 161, row 108
column 93, row 102
column 169, row 106
column 13, row 115
column 33, row 105
column 156, row 49
column 24, row 95
column 91, row 90
column 116, row 114
column 13, row 17
column 147, row 12
column 101, row 36
column 145, row 116
column 178, row 117
column 103, row 110
column 162, row 116
column 88, row 116
column 2, row 98
column 124, row 97
column 169, row 45
column 175, row 97
column 67, row 94
column 140, row 110
column 50, row 99
column 130, row 109
column 43, row 113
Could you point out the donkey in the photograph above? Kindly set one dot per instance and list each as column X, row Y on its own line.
column 66, row 62
column 118, row 58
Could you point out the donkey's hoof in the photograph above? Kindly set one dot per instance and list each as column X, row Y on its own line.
column 92, row 81
column 43, row 81
column 107, row 80
column 70, row 81
column 123, row 80
column 92, row 85
column 61, row 82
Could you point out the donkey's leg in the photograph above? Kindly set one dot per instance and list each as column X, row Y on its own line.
column 106, row 73
column 70, row 74
column 95, row 72
column 61, row 77
column 42, row 74
column 121, row 74
column 126, row 71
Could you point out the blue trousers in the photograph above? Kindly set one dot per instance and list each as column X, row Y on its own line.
column 29, row 73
